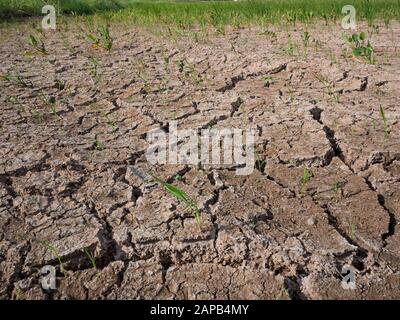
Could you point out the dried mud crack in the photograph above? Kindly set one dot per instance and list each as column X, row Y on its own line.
column 70, row 188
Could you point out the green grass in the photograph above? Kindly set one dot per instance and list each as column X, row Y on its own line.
column 304, row 179
column 180, row 195
column 216, row 13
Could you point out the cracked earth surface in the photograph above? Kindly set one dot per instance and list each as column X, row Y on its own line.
column 263, row 236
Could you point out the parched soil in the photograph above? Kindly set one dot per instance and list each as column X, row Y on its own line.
column 70, row 150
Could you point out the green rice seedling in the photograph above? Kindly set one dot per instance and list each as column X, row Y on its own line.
column 98, row 145
column 361, row 47
column 386, row 21
column 16, row 78
column 180, row 195
column 384, row 120
column 317, row 45
column 55, row 253
column 306, row 41
column 260, row 163
column 38, row 115
column 267, row 81
column 36, row 44
column 178, row 177
column 51, row 102
column 94, row 65
column 60, row 85
column 92, row 260
column 328, row 86
column 336, row 187
column 291, row 46
column 15, row 101
column 352, row 229
column 220, row 29
column 195, row 36
column 185, row 14
column 18, row 295
column 101, row 38
column 305, row 179
column 271, row 34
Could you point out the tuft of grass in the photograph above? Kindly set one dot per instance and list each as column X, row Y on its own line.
column 260, row 163
column 111, row 123
column 186, row 14
column 267, row 81
column 36, row 44
column 15, row 101
column 306, row 41
column 101, row 38
column 384, row 120
column 305, row 179
column 92, row 260
column 328, row 87
column 180, row 195
column 361, row 47
column 16, row 78
column 18, row 294
column 178, row 177
column 94, row 65
column 55, row 253
column 352, row 231
column 38, row 115
column 98, row 145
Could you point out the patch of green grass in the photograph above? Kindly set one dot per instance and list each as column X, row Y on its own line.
column 55, row 253
column 101, row 38
column 305, row 179
column 306, row 41
column 16, row 78
column 18, row 295
column 36, row 44
column 94, row 69
column 185, row 14
column 328, row 86
column 92, row 260
column 180, row 195
column 38, row 115
column 361, row 47
column 384, row 120
column 15, row 101
column 111, row 123
column 98, row 145
column 267, row 81
column 260, row 163
column 352, row 230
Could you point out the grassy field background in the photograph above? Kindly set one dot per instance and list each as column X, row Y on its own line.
column 187, row 13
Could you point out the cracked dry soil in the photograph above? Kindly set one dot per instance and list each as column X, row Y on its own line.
column 263, row 236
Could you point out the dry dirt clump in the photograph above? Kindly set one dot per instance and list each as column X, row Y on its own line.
column 73, row 131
